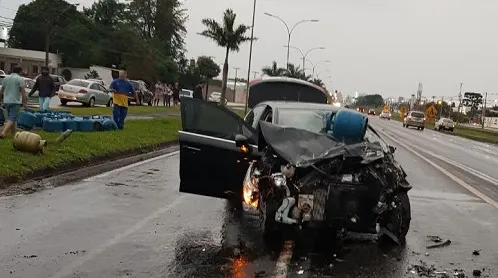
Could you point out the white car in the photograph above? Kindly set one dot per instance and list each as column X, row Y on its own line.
column 385, row 115
column 89, row 93
column 215, row 97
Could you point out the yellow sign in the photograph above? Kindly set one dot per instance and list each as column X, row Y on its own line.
column 431, row 112
column 402, row 112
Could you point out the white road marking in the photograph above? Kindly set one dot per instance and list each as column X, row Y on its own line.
column 131, row 166
column 445, row 172
column 70, row 268
column 284, row 259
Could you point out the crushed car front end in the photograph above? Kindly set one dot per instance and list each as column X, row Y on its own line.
column 315, row 181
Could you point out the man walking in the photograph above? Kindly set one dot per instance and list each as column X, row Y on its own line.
column 198, row 90
column 121, row 88
column 176, row 93
column 14, row 96
column 46, row 86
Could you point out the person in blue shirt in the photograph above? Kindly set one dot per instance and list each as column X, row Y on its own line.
column 122, row 89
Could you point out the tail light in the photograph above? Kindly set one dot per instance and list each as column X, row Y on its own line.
column 409, row 117
column 83, row 91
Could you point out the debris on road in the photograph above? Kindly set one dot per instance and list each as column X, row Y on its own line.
column 476, row 252
column 459, row 273
column 439, row 242
column 422, row 269
column 476, row 273
column 260, row 274
column 30, row 256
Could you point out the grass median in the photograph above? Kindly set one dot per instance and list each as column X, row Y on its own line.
column 81, row 147
column 132, row 110
column 481, row 135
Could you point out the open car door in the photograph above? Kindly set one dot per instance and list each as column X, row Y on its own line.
column 210, row 162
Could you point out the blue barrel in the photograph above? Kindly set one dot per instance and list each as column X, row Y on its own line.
column 53, row 125
column 69, row 123
column 109, row 125
column 2, row 116
column 85, row 124
column 349, row 126
column 26, row 120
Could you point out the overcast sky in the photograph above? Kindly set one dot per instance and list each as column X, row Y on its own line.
column 380, row 46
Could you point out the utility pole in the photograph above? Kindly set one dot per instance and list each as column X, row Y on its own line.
column 250, row 56
column 441, row 108
column 235, row 83
column 255, row 73
column 484, row 108
column 460, row 98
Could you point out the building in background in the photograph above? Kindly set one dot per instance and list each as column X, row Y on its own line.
column 31, row 61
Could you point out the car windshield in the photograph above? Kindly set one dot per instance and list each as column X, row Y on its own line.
column 417, row 114
column 185, row 93
column 448, row 121
column 385, row 112
column 310, row 120
column 76, row 82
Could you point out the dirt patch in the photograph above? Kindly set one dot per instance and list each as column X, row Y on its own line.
column 77, row 170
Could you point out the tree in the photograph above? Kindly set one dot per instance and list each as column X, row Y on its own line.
column 294, row 71
column 207, row 69
column 93, row 74
column 472, row 100
column 273, row 70
column 375, row 100
column 318, row 81
column 226, row 35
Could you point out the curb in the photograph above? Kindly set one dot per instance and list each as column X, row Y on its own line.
column 77, row 170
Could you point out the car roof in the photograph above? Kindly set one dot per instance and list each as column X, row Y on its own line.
column 299, row 105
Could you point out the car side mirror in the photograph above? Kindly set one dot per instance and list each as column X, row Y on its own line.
column 392, row 149
column 242, row 142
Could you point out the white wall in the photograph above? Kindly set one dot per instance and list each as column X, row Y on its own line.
column 491, row 122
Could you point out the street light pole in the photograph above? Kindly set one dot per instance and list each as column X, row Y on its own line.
column 303, row 55
column 484, row 109
column 250, row 57
column 290, row 30
column 315, row 65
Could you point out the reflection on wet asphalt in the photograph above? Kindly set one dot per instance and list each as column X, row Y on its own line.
column 134, row 223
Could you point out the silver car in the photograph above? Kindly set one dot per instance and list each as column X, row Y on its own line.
column 89, row 93
column 444, row 124
column 414, row 119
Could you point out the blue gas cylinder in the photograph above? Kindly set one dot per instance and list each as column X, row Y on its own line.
column 53, row 125
column 85, row 124
column 2, row 116
column 69, row 123
column 349, row 126
column 109, row 125
column 26, row 120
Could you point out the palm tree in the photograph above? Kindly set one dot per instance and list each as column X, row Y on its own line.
column 226, row 35
column 317, row 81
column 274, row 70
column 296, row 72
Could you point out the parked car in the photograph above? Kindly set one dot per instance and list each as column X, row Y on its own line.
column 89, row 93
column 144, row 94
column 186, row 93
column 371, row 112
column 282, row 161
column 59, row 80
column 415, row 119
column 215, row 97
column 444, row 124
column 385, row 115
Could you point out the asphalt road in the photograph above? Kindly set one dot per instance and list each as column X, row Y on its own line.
column 132, row 222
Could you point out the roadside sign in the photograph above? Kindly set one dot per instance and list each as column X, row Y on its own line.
column 402, row 112
column 431, row 112
column 386, row 108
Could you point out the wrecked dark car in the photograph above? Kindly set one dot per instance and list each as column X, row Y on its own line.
column 301, row 165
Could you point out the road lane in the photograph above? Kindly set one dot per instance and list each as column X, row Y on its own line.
column 135, row 223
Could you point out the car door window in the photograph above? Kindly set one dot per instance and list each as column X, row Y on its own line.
column 95, row 87
column 254, row 115
column 205, row 118
column 102, row 89
column 372, row 137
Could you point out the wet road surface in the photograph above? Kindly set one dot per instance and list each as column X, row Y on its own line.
column 133, row 223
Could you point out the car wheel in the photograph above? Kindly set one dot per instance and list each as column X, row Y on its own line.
column 63, row 102
column 404, row 125
column 91, row 103
column 422, row 128
column 109, row 103
column 267, row 224
column 451, row 129
column 398, row 219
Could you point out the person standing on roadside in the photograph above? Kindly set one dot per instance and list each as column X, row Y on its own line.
column 176, row 93
column 168, row 94
column 157, row 93
column 198, row 91
column 122, row 89
column 14, row 97
column 46, row 86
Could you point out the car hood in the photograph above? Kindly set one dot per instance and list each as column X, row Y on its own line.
column 303, row 148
